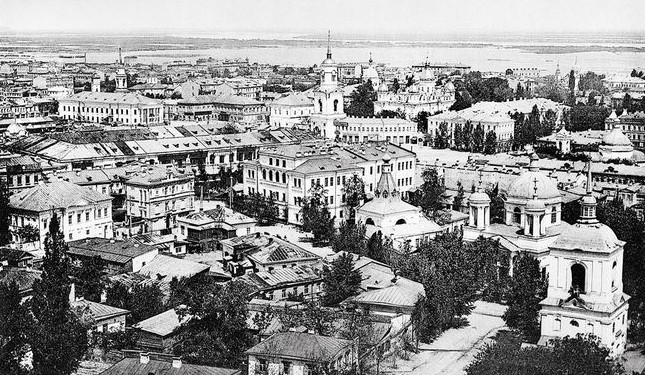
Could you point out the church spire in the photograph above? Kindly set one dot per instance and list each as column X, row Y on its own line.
column 588, row 205
column 329, row 44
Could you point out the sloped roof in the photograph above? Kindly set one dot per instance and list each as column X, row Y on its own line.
column 300, row 345
column 597, row 238
column 403, row 293
column 133, row 366
column 117, row 251
column 162, row 324
column 112, row 98
column 317, row 165
column 58, row 194
column 167, row 268
column 294, row 100
column 24, row 277
column 100, row 311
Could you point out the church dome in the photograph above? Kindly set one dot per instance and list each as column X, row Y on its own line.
column 449, row 86
column 479, row 197
column 328, row 62
column 616, row 137
column 370, row 73
column 597, row 238
column 523, row 187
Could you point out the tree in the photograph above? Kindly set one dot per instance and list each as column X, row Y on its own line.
column 143, row 300
column 362, row 100
column 578, row 355
column 380, row 247
column 422, row 122
column 350, row 238
column 442, row 138
column 497, row 210
column 463, row 100
column 582, row 118
column 5, row 234
column 89, row 278
column 316, row 217
column 519, row 91
column 15, row 323
column 478, row 138
column 28, row 233
column 314, row 316
column 396, row 86
column 459, row 137
column 458, row 201
column 215, row 334
column 490, row 144
column 354, row 190
column 341, row 280
column 58, row 339
column 430, row 195
column 257, row 206
column 527, row 289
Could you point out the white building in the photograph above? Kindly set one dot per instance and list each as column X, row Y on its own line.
column 364, row 129
column 290, row 110
column 82, row 212
column 126, row 108
column 624, row 83
column 423, row 96
column 328, row 100
column 156, row 195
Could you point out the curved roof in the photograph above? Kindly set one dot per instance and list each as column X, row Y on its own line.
column 479, row 197
column 370, row 72
column 596, row 238
column 523, row 187
column 328, row 62
column 616, row 137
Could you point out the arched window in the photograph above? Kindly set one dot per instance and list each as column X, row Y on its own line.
column 554, row 215
column 578, row 277
column 264, row 174
column 574, row 323
column 320, row 104
column 517, row 215
column 400, row 221
column 613, row 274
column 270, row 175
column 369, row 221
column 336, row 105
column 284, row 178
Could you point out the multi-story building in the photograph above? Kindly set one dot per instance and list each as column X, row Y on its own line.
column 290, row 110
column 125, row 108
column 155, row 196
column 632, row 125
column 288, row 173
column 624, row 83
column 248, row 88
column 525, row 72
column 222, row 107
column 20, row 172
column 81, row 212
column 422, row 96
column 364, row 129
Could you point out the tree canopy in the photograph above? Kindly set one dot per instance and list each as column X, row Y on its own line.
column 362, row 100
column 15, row 323
column 340, row 280
column 316, row 217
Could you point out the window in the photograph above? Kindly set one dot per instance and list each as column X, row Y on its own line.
column 286, row 368
column 554, row 215
column 578, row 277
column 284, row 293
column 262, row 366
column 574, row 323
column 87, row 216
column 517, row 215
column 70, row 236
column 69, row 219
column 78, row 218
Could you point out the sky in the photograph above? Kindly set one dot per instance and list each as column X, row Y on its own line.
column 364, row 17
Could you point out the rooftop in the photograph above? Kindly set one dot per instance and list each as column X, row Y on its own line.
column 116, row 251
column 165, row 267
column 161, row 364
column 162, row 324
column 300, row 345
column 58, row 194
column 99, row 311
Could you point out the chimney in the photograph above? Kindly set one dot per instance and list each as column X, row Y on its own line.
column 144, row 358
column 176, row 362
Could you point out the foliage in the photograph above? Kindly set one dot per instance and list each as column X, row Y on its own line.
column 627, row 227
column 15, row 323
column 314, row 316
column 215, row 333
column 527, row 289
column 28, row 233
column 528, row 128
column 422, row 121
column 587, row 117
column 480, row 89
column 441, row 136
column 380, row 247
column 354, row 190
column 316, row 217
column 430, row 195
column 458, row 200
column 341, row 280
column 113, row 340
column 58, row 339
column 463, row 100
column 350, row 238
column 552, row 90
column 496, row 205
column 591, row 81
column 5, row 217
column 362, row 101
column 386, row 113
column 258, row 206
column 89, row 278
column 478, row 138
column 580, row 355
column 490, row 143
column 143, row 300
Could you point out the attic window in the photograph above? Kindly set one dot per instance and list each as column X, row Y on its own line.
column 209, row 143
column 166, row 146
column 176, row 145
column 322, row 168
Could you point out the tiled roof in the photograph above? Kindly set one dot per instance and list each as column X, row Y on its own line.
column 162, row 324
column 403, row 293
column 100, row 311
column 300, row 345
column 294, row 100
column 166, row 267
column 58, row 194
column 22, row 276
column 111, row 98
column 266, row 280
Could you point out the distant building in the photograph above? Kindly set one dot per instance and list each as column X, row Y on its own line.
column 624, row 83
column 20, row 172
column 125, row 108
column 222, row 107
column 81, row 212
column 165, row 268
column 524, row 72
column 290, row 110
column 302, row 353
column 105, row 318
column 155, row 197
column 328, row 100
column 631, row 124
column 365, row 129
column 160, row 333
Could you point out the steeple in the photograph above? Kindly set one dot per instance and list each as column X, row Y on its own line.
column 329, row 44
column 371, row 61
column 386, row 187
column 588, row 204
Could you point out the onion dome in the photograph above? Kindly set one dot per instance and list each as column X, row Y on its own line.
column 523, row 186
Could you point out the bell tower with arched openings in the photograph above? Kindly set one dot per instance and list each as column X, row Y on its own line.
column 328, row 98
column 585, row 293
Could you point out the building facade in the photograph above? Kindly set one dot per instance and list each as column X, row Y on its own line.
column 125, row 108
